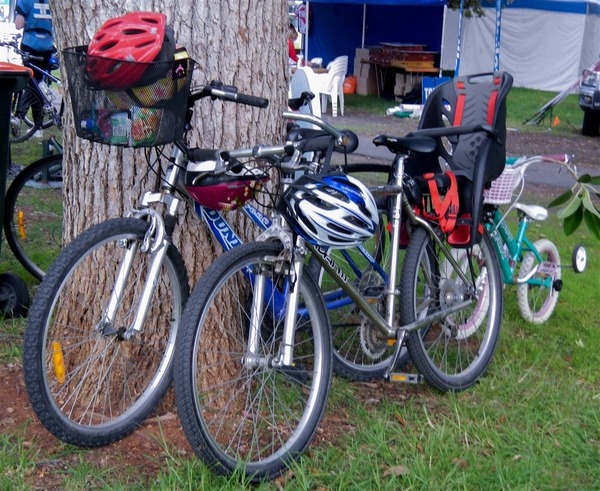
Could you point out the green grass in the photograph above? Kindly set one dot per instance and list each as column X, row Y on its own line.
column 533, row 421
column 521, row 104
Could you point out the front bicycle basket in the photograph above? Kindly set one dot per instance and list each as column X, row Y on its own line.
column 501, row 189
column 151, row 112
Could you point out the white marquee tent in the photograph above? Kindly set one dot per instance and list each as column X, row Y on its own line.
column 544, row 44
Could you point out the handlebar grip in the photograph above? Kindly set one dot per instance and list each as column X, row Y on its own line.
column 561, row 157
column 34, row 58
column 251, row 100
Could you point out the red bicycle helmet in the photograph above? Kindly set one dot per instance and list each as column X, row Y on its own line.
column 138, row 37
column 227, row 191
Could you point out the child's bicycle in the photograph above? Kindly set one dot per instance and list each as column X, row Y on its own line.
column 534, row 267
column 35, row 107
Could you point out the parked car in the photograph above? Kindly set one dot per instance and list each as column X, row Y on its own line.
column 589, row 101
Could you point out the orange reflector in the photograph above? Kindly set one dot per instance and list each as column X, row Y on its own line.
column 59, row 362
column 21, row 224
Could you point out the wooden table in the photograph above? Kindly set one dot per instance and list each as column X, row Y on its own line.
column 381, row 70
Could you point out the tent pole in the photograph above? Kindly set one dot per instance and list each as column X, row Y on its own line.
column 306, row 33
column 458, row 43
column 497, row 46
column 443, row 37
column 364, row 24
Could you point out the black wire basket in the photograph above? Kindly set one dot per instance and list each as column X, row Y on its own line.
column 128, row 103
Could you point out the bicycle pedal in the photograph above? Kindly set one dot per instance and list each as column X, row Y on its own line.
column 406, row 378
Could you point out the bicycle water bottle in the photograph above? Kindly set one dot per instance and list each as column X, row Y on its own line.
column 44, row 89
column 90, row 126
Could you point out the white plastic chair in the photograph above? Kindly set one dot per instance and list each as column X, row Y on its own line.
column 332, row 85
column 305, row 79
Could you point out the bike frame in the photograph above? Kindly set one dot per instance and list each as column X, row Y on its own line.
column 387, row 325
column 516, row 246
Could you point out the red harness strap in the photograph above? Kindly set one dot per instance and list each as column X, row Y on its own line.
column 445, row 211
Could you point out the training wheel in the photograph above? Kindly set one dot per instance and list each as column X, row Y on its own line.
column 579, row 259
column 14, row 297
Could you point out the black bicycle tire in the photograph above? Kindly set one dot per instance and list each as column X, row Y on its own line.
column 298, row 432
column 30, row 92
column 14, row 296
column 84, row 332
column 11, row 228
column 409, row 283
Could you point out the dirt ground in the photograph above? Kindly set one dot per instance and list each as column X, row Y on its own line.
column 147, row 448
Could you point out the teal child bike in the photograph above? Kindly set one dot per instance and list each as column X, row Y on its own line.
column 534, row 267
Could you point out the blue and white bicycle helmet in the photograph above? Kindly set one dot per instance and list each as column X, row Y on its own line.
column 333, row 210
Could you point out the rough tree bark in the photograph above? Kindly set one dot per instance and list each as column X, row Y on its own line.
column 242, row 43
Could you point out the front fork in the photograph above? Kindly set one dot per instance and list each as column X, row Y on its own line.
column 156, row 242
column 267, row 295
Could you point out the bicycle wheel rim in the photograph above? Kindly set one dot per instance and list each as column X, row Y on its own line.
column 536, row 302
column 33, row 216
column 257, row 418
column 97, row 386
column 455, row 351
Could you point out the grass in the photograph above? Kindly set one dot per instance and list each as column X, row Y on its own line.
column 521, row 104
column 533, row 421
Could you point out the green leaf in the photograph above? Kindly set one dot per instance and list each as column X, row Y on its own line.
column 585, row 178
column 571, row 208
column 588, row 205
column 573, row 221
column 562, row 199
column 592, row 223
column 595, row 180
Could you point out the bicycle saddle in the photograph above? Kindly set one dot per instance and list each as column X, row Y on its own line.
column 419, row 144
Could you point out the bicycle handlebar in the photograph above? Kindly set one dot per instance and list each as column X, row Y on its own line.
column 258, row 151
column 217, row 90
column 524, row 162
column 324, row 125
column 27, row 57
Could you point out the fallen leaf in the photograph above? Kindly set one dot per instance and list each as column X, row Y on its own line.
column 401, row 420
column 398, row 470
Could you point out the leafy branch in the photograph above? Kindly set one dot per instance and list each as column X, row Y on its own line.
column 579, row 206
column 474, row 7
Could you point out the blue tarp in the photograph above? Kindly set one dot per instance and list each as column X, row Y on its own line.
column 385, row 2
column 336, row 26
column 335, row 30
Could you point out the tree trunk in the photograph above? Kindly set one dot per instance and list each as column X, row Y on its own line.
column 240, row 43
